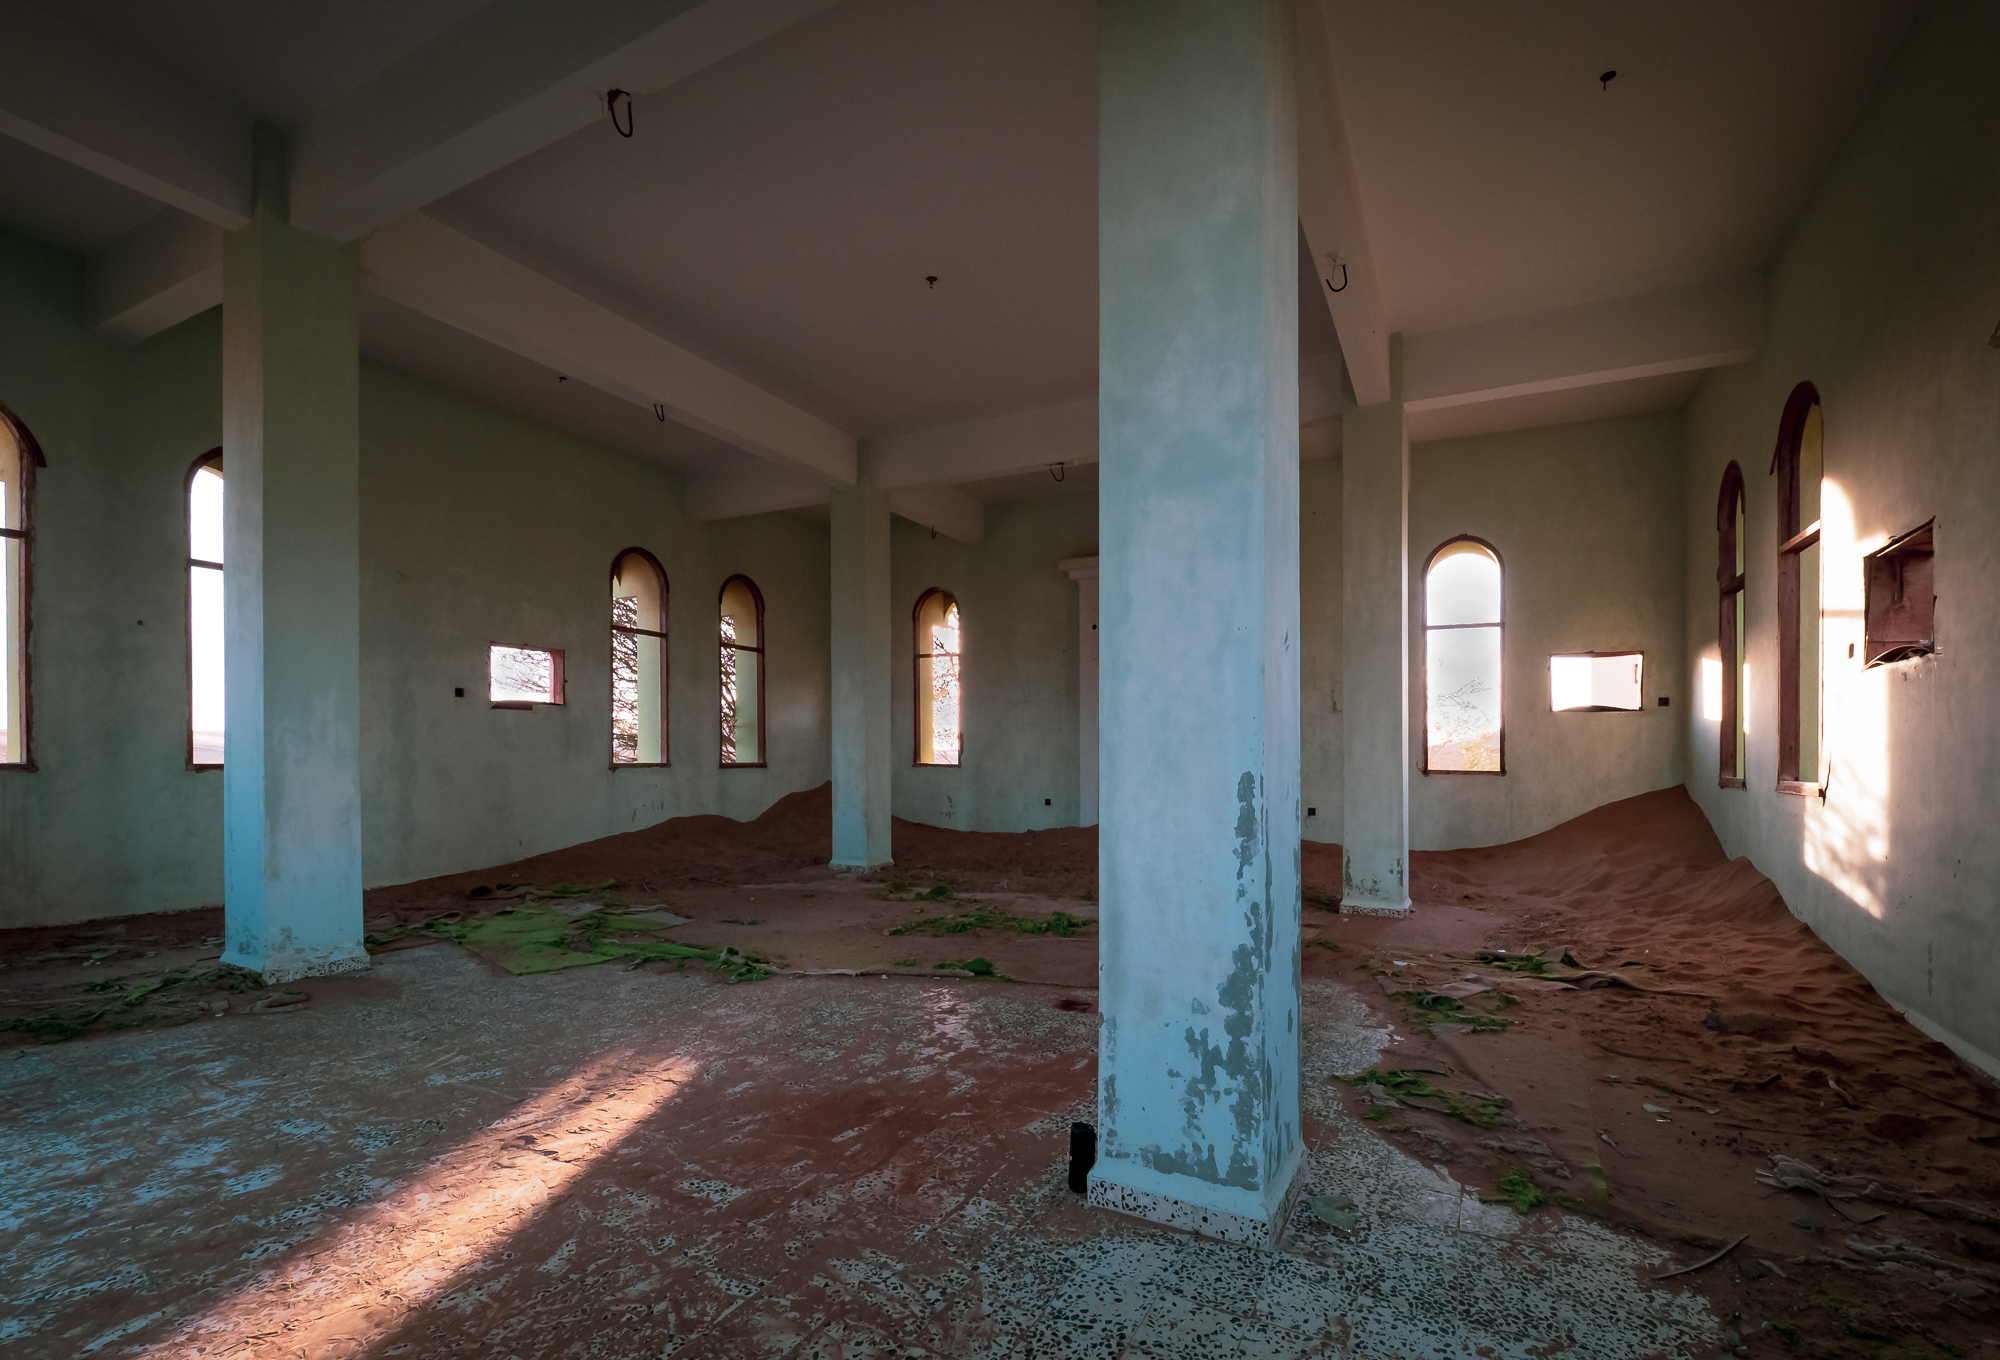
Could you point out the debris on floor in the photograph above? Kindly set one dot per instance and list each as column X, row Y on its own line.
column 1608, row 1048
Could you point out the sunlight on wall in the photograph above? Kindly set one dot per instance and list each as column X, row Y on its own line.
column 1847, row 836
column 363, row 1278
column 1711, row 689
column 205, row 618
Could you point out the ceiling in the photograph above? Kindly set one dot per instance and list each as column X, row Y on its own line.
column 54, row 201
column 782, row 211
column 1499, row 177
column 281, row 60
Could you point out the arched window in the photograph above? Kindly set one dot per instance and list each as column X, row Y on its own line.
column 1798, row 465
column 638, row 659
column 1463, row 623
column 742, row 672
column 939, row 700
column 204, row 612
column 19, row 457
column 1730, row 623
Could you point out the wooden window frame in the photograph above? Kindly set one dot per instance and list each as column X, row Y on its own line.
column 1793, row 539
column 29, row 451
column 213, row 458
column 1424, row 652
column 917, row 692
column 557, row 680
column 666, row 690
column 763, row 677
column 1918, row 544
column 1732, row 587
column 1599, row 708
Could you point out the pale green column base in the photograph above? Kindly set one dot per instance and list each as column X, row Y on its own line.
column 291, row 970
column 1264, row 1230
column 1350, row 907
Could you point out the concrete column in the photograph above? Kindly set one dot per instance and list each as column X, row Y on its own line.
column 1375, row 649
column 1198, row 1100
column 861, row 659
column 291, row 438
column 1083, row 571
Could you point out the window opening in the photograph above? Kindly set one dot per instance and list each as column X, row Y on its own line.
column 1463, row 626
column 204, row 613
column 1798, row 464
column 19, row 457
column 742, row 672
column 521, row 677
column 1901, row 613
column 1597, row 682
column 638, row 660
column 939, row 700
column 1731, row 582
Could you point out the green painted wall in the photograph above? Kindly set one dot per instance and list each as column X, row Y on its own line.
column 111, row 821
column 479, row 527
column 1320, row 765
column 1583, row 518
column 476, row 527
column 1884, row 297
column 1020, row 666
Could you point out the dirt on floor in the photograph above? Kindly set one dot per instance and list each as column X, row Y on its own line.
column 1612, row 1017
column 1664, row 1046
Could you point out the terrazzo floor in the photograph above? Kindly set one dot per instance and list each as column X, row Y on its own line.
column 615, row 1163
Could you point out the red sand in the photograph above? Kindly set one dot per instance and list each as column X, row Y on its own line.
column 1752, row 1037
column 1777, row 1046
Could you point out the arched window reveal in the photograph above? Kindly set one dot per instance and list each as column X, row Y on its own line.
column 638, row 660
column 1463, row 626
column 938, row 694
column 742, row 672
column 19, row 457
column 204, row 612
column 1798, row 464
column 1731, row 621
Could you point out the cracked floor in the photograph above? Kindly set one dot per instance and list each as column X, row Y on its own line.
column 613, row 1163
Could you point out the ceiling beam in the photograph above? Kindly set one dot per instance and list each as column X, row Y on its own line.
column 516, row 76
column 1636, row 337
column 942, row 509
column 999, row 446
column 163, row 271
column 751, row 491
column 85, row 102
column 1330, row 213
column 446, row 275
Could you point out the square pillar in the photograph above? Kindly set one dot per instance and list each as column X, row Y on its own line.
column 1198, row 1097
column 1375, row 650
column 291, row 438
column 861, row 660
column 1083, row 571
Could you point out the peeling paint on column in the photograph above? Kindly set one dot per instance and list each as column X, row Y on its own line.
column 1198, row 536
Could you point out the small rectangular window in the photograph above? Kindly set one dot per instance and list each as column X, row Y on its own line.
column 524, row 676
column 1597, row 682
column 1902, row 605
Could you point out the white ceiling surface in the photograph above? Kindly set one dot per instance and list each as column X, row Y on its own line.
column 399, row 338
column 54, row 201
column 1499, row 178
column 281, row 60
column 778, row 213
column 1568, row 406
